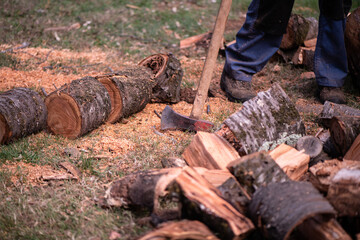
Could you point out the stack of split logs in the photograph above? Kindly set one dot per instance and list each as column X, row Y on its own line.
column 257, row 177
column 83, row 105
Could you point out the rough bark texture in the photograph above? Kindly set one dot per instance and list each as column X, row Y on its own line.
column 167, row 77
column 129, row 89
column 279, row 207
column 354, row 151
column 352, row 42
column 22, row 112
column 296, row 32
column 77, row 108
column 304, row 56
column 184, row 229
column 256, row 170
column 266, row 121
column 331, row 110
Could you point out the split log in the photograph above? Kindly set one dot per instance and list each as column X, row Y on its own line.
column 331, row 110
column 279, row 208
column 310, row 43
column 310, row 145
column 184, row 229
column 354, row 151
column 344, row 131
column 344, row 192
column 304, row 56
column 22, row 112
column 255, row 170
column 265, row 122
column 294, row 163
column 296, row 32
column 352, row 43
column 77, row 108
column 167, row 77
column 210, row 151
column 129, row 90
column 201, row 201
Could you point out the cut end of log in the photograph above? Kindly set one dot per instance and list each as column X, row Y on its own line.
column 157, row 63
column 64, row 117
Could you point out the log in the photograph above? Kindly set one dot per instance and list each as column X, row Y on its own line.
column 129, row 90
column 210, row 151
column 201, row 201
column 77, row 108
column 343, row 131
column 167, row 77
column 293, row 162
column 304, row 56
column 22, row 112
column 328, row 144
column 193, row 41
column 354, row 151
column 255, row 170
column 266, row 121
column 331, row 110
column 313, row 28
column 310, row 145
column 344, row 192
column 296, row 32
column 352, row 43
column 184, row 229
column 270, row 207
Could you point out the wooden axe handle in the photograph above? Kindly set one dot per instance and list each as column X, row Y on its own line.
column 213, row 51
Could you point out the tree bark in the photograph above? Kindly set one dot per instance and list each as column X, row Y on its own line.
column 167, row 77
column 22, row 112
column 129, row 89
column 310, row 145
column 331, row 110
column 296, row 32
column 354, row 151
column 77, row 108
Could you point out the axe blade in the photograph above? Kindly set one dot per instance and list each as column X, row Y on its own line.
column 173, row 120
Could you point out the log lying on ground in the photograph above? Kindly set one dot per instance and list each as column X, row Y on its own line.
column 294, row 163
column 344, row 192
column 304, row 56
column 184, row 229
column 129, row 89
column 201, row 201
column 167, row 77
column 77, row 108
column 265, row 122
column 296, row 32
column 279, row 208
column 196, row 40
column 331, row 110
column 354, row 151
column 344, row 131
column 22, row 112
column 352, row 43
column 210, row 151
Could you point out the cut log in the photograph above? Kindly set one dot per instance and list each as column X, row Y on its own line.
column 344, row 131
column 77, row 108
column 22, row 112
column 352, row 43
column 344, row 192
column 255, row 170
column 279, row 208
column 296, row 32
column 129, row 89
column 304, row 56
column 354, row 151
column 331, row 110
column 328, row 144
column 196, row 40
column 201, row 201
column 310, row 43
column 167, row 77
column 184, row 229
column 210, row 151
column 313, row 28
column 266, row 121
column 294, row 163
column 310, row 145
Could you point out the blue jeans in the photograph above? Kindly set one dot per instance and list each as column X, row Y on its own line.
column 254, row 48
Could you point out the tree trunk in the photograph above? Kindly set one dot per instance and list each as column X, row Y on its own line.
column 296, row 32
column 167, row 77
column 129, row 89
column 22, row 112
column 354, row 151
column 77, row 108
column 331, row 110
column 266, row 121
column 279, row 208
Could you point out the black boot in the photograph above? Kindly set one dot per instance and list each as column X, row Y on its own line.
column 332, row 94
column 235, row 90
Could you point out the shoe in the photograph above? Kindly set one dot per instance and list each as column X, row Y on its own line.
column 236, row 91
column 332, row 94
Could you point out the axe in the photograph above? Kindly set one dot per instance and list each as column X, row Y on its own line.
column 172, row 120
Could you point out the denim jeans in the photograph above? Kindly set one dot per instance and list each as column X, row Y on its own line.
column 254, row 48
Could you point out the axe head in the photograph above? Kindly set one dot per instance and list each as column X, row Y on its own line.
column 172, row 120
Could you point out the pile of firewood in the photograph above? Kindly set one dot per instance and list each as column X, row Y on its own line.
column 257, row 177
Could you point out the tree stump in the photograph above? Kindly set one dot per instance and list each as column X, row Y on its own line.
column 129, row 90
column 22, row 112
column 296, row 32
column 352, row 43
column 167, row 77
column 77, row 108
